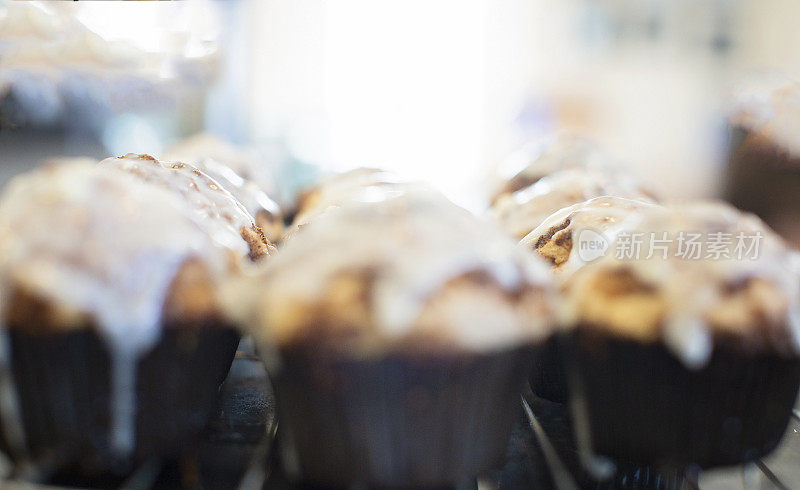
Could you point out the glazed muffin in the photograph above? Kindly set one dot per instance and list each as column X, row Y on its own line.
column 763, row 174
column 358, row 185
column 519, row 213
column 568, row 239
column 116, row 337
column 577, row 234
column 400, row 333
column 688, row 356
column 224, row 216
column 335, row 188
column 536, row 160
column 239, row 170
column 356, row 196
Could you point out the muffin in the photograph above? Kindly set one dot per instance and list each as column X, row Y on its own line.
column 116, row 336
column 569, row 239
column 519, row 213
column 357, row 195
column 577, row 234
column 526, row 166
column 241, row 171
column 225, row 217
column 684, row 357
column 763, row 173
column 358, row 185
column 399, row 335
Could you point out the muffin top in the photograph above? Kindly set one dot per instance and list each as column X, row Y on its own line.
column 358, row 185
column 239, row 172
column 97, row 246
column 566, row 151
column 412, row 271
column 772, row 116
column 224, row 217
column 338, row 187
column 703, row 272
column 521, row 212
column 575, row 235
column 203, row 148
column 356, row 195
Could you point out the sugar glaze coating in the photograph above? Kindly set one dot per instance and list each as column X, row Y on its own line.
column 99, row 242
column 378, row 266
column 685, row 302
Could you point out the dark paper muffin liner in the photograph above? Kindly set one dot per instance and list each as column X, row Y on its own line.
column 547, row 379
column 399, row 420
column 63, row 384
column 644, row 406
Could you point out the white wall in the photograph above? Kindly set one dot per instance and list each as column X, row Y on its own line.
column 442, row 89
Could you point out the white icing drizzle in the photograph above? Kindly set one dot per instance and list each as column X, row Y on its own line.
column 338, row 188
column 367, row 193
column 95, row 240
column 565, row 151
column 601, row 215
column 412, row 245
column 523, row 211
column 202, row 149
column 238, row 169
column 247, row 192
column 124, row 362
column 690, row 288
column 216, row 208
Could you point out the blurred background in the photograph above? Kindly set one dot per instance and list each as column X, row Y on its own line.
column 438, row 90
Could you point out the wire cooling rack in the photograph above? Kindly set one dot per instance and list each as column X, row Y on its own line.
column 236, row 455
